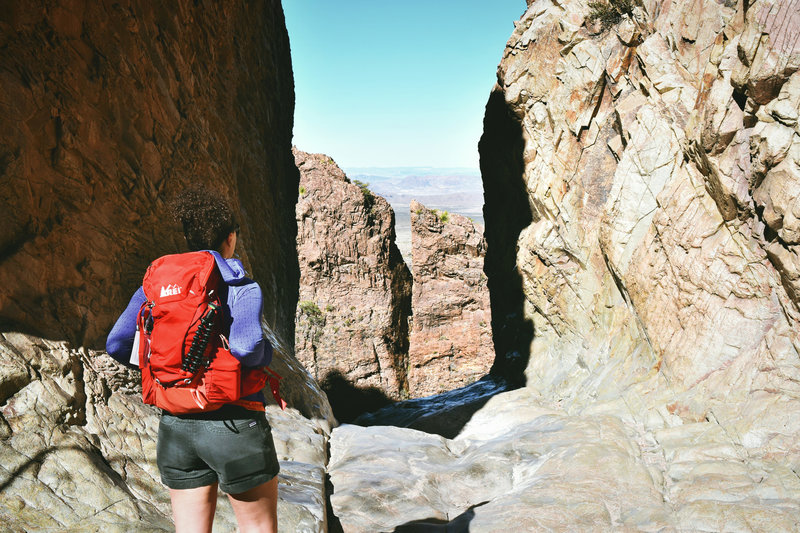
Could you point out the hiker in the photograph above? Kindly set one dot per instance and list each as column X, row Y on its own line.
column 231, row 446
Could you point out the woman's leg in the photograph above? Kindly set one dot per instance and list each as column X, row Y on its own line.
column 257, row 509
column 193, row 509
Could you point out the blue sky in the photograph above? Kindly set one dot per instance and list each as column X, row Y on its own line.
column 382, row 83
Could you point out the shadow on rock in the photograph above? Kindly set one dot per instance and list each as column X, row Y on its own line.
column 459, row 524
column 506, row 212
column 349, row 401
column 444, row 414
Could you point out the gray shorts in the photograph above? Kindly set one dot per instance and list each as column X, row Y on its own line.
column 232, row 446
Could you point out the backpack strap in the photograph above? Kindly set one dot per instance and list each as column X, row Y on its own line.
column 275, row 384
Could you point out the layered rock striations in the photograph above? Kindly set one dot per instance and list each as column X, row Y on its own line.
column 640, row 174
column 355, row 288
column 108, row 109
column 451, row 343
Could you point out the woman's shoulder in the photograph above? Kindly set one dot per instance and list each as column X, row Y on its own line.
column 245, row 289
column 245, row 284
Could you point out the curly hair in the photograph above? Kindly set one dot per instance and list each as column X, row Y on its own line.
column 206, row 217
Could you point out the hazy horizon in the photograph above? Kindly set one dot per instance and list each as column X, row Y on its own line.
column 456, row 192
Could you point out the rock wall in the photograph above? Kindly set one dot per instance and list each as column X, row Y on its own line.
column 451, row 342
column 355, row 288
column 108, row 109
column 660, row 178
column 111, row 108
column 641, row 202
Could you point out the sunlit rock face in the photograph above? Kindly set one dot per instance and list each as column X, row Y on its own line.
column 107, row 110
column 451, row 342
column 355, row 288
column 78, row 446
column 356, row 298
column 661, row 179
column 641, row 186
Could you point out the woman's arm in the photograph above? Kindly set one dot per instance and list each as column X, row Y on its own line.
column 120, row 340
column 247, row 341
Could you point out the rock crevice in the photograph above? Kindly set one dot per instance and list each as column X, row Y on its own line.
column 362, row 330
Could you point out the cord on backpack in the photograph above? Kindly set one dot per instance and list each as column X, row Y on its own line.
column 195, row 358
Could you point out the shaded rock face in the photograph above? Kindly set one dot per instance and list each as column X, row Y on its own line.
column 640, row 186
column 355, row 288
column 109, row 110
column 451, row 343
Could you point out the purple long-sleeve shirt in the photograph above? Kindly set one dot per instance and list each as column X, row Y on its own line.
column 243, row 313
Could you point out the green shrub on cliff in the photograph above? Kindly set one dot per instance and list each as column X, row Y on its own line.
column 609, row 12
column 443, row 216
column 315, row 319
column 312, row 313
column 369, row 198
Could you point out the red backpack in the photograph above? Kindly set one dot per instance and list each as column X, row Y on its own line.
column 186, row 363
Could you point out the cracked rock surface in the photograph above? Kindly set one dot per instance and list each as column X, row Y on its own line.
column 78, row 446
column 355, row 288
column 641, row 186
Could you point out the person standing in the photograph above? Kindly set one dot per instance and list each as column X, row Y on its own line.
column 230, row 448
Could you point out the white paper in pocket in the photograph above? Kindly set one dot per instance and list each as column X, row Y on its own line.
column 135, row 350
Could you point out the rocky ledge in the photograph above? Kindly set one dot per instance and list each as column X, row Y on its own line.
column 78, row 446
column 521, row 466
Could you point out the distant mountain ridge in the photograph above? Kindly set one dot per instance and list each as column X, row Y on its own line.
column 457, row 190
column 395, row 172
